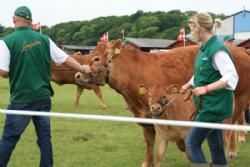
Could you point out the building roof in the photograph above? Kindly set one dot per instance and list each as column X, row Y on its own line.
column 191, row 38
column 77, row 47
column 186, row 40
column 238, row 42
column 247, row 11
column 149, row 43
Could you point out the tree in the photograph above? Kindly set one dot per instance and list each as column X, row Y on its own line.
column 6, row 31
column 141, row 24
column 1, row 28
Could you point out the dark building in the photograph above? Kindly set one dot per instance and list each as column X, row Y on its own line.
column 177, row 43
column 71, row 49
column 147, row 45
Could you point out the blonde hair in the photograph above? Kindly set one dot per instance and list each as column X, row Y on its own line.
column 205, row 21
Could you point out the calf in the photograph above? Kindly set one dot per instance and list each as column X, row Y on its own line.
column 166, row 103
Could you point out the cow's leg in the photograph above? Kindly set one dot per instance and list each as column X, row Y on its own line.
column 161, row 146
column 181, row 145
column 79, row 91
column 98, row 93
column 230, row 144
column 233, row 149
column 149, row 135
column 242, row 134
column 227, row 136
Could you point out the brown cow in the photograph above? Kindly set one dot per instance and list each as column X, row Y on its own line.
column 124, row 68
column 64, row 75
column 165, row 103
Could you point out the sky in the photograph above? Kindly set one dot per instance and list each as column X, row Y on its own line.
column 51, row 12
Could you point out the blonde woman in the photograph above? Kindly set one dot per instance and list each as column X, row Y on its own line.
column 213, row 82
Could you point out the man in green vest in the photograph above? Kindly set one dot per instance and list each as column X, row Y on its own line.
column 25, row 58
column 213, row 82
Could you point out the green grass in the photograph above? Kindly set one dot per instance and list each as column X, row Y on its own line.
column 89, row 143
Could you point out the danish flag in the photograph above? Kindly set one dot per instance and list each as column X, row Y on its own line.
column 104, row 37
column 181, row 36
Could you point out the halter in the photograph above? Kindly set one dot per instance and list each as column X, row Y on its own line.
column 104, row 67
column 100, row 69
column 165, row 105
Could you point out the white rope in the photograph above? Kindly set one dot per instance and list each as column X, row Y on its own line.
column 130, row 119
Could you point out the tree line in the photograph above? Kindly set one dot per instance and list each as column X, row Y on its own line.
column 160, row 24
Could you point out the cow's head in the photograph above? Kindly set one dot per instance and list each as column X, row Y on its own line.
column 158, row 97
column 99, row 61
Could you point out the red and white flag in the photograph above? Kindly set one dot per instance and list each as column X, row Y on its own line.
column 104, row 37
column 181, row 36
column 36, row 26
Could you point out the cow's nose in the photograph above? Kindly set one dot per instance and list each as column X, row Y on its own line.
column 155, row 107
column 78, row 75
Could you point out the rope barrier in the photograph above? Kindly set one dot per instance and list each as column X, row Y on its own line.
column 130, row 119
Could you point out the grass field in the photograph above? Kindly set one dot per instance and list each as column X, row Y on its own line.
column 88, row 143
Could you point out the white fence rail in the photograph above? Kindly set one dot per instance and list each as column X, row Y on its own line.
column 130, row 119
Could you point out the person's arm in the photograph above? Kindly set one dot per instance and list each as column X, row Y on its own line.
column 229, row 80
column 188, row 85
column 4, row 59
column 72, row 63
column 60, row 57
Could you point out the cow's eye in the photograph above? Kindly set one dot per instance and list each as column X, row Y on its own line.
column 164, row 97
column 96, row 59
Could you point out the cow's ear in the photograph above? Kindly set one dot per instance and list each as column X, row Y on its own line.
column 100, row 44
column 142, row 89
column 117, row 46
column 117, row 51
column 118, row 43
column 172, row 89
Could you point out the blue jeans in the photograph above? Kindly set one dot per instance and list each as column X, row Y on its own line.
column 214, row 137
column 15, row 126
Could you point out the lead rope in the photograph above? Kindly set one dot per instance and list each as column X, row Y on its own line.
column 171, row 101
column 192, row 117
column 176, row 97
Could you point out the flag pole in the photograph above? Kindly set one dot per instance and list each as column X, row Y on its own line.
column 123, row 37
column 107, row 36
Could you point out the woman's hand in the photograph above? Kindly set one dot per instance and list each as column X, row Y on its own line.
column 185, row 87
column 200, row 91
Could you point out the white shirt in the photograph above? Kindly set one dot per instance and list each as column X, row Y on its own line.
column 57, row 55
column 223, row 63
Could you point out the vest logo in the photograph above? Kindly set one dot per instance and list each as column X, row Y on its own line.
column 28, row 46
column 204, row 58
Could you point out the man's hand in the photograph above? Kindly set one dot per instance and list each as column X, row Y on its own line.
column 85, row 69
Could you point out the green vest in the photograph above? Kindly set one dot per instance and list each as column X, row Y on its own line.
column 218, row 104
column 29, row 70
